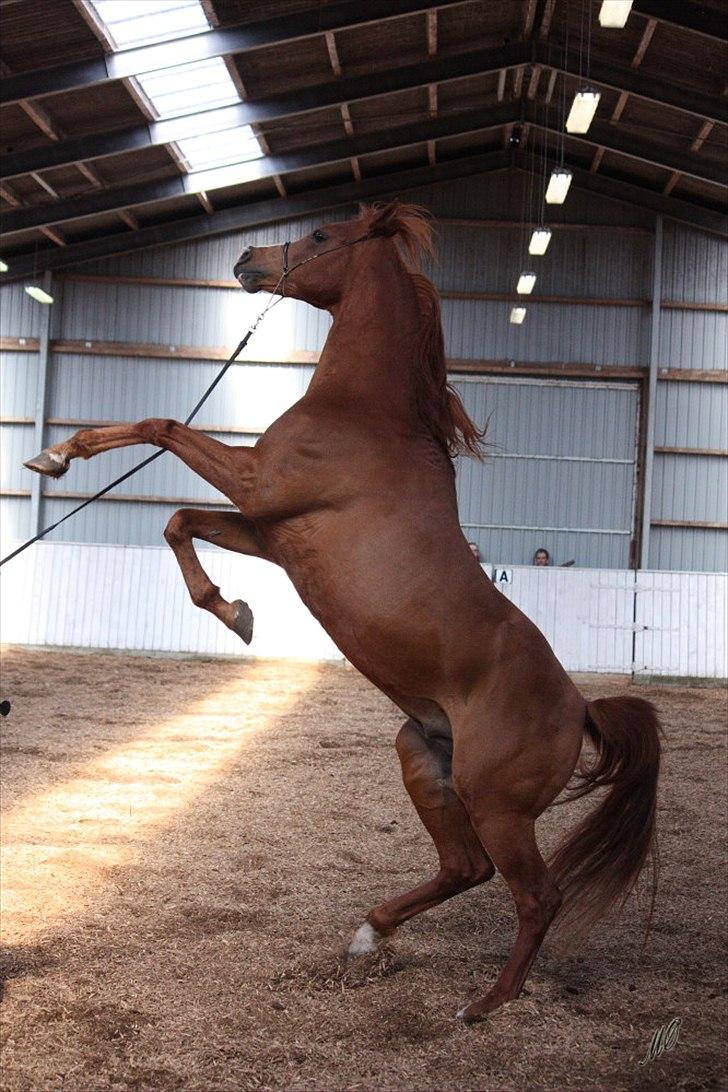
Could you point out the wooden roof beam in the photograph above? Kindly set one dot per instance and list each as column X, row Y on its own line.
column 287, row 104
column 601, row 137
column 217, row 42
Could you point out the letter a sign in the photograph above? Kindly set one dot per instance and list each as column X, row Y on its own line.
column 503, row 577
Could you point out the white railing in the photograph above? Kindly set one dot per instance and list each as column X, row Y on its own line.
column 133, row 598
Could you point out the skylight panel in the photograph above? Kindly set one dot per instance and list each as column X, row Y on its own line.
column 220, row 149
column 201, row 85
column 141, row 22
column 186, row 89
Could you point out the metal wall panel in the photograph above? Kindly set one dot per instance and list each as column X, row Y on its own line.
column 691, row 487
column 686, row 549
column 693, row 339
column 477, row 330
column 250, row 396
column 561, row 474
column 691, row 415
column 577, row 264
column 123, row 523
column 20, row 316
column 17, row 446
column 14, row 524
column 19, row 373
column 695, row 266
column 202, row 317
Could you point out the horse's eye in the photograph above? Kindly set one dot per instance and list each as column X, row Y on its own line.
column 319, row 237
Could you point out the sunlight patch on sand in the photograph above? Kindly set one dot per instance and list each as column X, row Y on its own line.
column 59, row 846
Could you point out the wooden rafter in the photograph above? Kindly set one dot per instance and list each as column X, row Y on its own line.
column 533, row 81
column 432, row 32
column 644, row 43
column 333, row 53
column 619, row 108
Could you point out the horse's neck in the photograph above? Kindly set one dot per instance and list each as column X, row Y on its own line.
column 370, row 355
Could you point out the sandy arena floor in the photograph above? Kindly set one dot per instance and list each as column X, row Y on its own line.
column 189, row 845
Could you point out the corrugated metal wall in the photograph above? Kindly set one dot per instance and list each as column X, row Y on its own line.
column 571, row 422
column 561, row 472
column 692, row 488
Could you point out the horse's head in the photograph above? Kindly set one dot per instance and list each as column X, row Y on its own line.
column 315, row 267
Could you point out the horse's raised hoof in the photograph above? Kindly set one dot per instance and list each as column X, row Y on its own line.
column 48, row 463
column 243, row 621
column 364, row 942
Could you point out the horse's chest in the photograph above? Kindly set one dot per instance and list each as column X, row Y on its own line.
column 292, row 477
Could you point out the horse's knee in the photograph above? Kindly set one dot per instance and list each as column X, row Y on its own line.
column 156, row 430
column 176, row 530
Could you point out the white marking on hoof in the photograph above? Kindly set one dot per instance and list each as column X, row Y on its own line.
column 364, row 941
column 461, row 1013
column 55, row 458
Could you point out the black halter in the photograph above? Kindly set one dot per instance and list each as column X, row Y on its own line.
column 289, row 269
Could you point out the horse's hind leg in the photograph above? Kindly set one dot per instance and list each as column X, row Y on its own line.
column 463, row 862
column 511, row 842
column 230, row 531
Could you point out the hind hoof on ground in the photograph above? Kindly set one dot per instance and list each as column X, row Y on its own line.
column 48, row 463
column 243, row 623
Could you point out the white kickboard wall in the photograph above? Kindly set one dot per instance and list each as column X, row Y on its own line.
column 133, row 598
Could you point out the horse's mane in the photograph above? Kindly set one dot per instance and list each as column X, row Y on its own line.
column 438, row 404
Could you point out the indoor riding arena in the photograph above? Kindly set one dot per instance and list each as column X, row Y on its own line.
column 364, row 526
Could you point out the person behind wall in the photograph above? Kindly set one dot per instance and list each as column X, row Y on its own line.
column 542, row 557
column 473, row 546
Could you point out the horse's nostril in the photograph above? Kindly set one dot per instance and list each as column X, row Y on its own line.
column 244, row 257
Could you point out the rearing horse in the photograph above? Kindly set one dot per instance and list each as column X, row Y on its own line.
column 352, row 492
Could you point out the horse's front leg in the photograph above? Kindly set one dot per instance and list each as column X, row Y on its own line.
column 230, row 531
column 229, row 469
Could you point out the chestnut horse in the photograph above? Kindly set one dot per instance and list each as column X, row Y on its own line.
column 352, row 492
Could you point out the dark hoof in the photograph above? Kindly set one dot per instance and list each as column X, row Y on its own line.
column 243, row 624
column 50, row 464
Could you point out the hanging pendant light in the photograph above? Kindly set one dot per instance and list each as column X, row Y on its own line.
column 517, row 316
column 539, row 241
column 614, row 13
column 558, row 186
column 38, row 294
column 583, row 109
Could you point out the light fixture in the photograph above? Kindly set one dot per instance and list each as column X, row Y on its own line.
column 539, row 241
column 3, row 266
column 518, row 314
column 583, row 109
column 38, row 294
column 614, row 13
column 558, row 186
column 525, row 284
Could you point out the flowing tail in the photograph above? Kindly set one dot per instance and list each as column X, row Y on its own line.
column 597, row 866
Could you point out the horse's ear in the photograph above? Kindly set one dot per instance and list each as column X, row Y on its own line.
column 384, row 219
